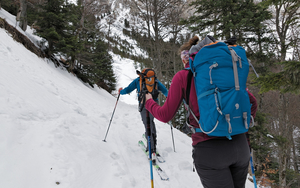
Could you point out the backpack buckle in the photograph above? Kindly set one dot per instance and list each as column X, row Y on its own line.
column 227, row 116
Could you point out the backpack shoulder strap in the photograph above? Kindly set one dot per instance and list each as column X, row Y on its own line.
column 186, row 102
column 188, row 88
column 156, row 83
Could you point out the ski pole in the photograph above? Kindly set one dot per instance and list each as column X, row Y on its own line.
column 111, row 117
column 149, row 147
column 172, row 136
column 252, row 169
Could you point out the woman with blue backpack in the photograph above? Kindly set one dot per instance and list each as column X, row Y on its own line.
column 220, row 161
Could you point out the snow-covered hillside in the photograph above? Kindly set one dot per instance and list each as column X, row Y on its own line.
column 52, row 128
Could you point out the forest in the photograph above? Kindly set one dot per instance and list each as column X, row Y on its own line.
column 78, row 36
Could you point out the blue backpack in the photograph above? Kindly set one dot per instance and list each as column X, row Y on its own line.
column 220, row 74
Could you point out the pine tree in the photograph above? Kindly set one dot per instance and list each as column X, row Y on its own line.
column 103, row 70
column 70, row 44
column 285, row 81
column 226, row 18
column 51, row 24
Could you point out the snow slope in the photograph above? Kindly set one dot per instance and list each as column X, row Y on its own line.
column 52, row 128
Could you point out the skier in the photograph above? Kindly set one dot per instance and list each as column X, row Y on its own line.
column 135, row 84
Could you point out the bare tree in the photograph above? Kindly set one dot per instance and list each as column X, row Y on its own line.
column 282, row 110
column 284, row 19
column 161, row 18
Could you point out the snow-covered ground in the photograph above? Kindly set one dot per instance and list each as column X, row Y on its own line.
column 52, row 128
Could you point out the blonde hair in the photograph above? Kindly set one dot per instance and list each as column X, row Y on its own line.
column 189, row 44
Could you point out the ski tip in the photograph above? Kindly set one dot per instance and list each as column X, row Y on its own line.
column 140, row 142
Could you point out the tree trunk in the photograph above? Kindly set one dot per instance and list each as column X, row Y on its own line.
column 22, row 15
column 282, row 156
column 295, row 157
column 282, row 166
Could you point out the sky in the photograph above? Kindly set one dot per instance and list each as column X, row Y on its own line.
column 52, row 128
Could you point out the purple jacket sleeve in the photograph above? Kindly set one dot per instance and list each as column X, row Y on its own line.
column 175, row 95
column 253, row 102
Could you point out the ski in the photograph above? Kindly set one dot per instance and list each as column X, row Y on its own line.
column 160, row 172
column 158, row 156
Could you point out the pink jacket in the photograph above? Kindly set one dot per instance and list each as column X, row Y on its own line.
column 177, row 93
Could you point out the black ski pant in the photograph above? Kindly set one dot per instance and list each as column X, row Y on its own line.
column 222, row 163
column 152, row 128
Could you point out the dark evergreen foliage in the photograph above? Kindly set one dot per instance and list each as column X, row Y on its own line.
column 227, row 18
column 102, row 72
column 287, row 80
column 51, row 24
column 72, row 34
column 10, row 6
